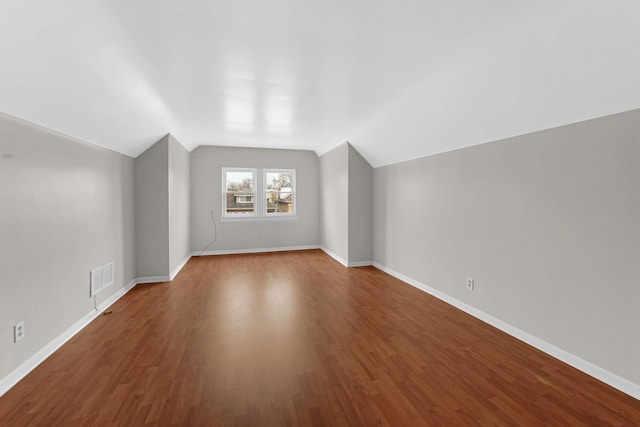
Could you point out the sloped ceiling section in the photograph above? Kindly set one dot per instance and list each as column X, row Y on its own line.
column 398, row 79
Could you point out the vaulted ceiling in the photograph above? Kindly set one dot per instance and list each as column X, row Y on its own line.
column 399, row 79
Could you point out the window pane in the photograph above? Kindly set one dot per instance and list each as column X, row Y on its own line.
column 247, row 194
column 239, row 203
column 278, row 181
column 280, row 202
column 239, row 181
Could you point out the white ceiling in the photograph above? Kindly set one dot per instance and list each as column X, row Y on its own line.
column 399, row 79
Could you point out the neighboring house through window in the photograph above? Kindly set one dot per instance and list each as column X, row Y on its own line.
column 243, row 198
column 239, row 190
column 258, row 193
column 279, row 191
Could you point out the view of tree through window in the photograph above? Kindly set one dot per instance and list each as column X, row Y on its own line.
column 240, row 181
column 279, row 191
column 239, row 191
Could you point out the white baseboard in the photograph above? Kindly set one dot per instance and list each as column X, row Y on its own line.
column 360, row 264
column 344, row 261
column 176, row 270
column 153, row 279
column 117, row 295
column 31, row 363
column 588, row 368
column 335, row 256
column 286, row 248
column 255, row 250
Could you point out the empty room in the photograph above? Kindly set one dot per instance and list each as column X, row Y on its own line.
column 285, row 213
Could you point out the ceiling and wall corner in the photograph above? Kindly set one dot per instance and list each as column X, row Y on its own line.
column 399, row 80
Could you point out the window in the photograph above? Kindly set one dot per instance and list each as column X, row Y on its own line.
column 238, row 191
column 258, row 193
column 279, row 189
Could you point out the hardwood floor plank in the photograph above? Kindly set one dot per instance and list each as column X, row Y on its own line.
column 296, row 339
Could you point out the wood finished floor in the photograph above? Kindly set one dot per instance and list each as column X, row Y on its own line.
column 294, row 338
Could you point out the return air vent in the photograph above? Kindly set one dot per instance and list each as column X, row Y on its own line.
column 107, row 274
column 101, row 278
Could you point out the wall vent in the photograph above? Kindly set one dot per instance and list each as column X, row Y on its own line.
column 101, row 278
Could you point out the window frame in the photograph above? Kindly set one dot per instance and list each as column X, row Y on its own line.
column 254, row 193
column 259, row 196
column 266, row 191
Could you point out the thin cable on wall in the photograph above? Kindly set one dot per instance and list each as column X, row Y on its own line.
column 215, row 235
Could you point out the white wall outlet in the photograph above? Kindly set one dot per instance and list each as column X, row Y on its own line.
column 18, row 331
column 470, row 283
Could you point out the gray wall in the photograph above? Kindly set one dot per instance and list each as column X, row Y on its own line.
column 66, row 207
column 346, row 192
column 179, row 204
column 334, row 196
column 206, row 196
column 152, row 213
column 163, row 236
column 548, row 225
column 360, row 208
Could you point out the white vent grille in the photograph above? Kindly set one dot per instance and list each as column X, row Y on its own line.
column 107, row 275
column 101, row 278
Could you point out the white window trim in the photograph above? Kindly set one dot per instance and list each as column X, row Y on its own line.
column 265, row 191
column 259, row 196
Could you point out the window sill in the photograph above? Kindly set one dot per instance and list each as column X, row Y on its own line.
column 258, row 218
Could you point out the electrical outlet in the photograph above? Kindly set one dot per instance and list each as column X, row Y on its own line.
column 470, row 283
column 18, row 331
